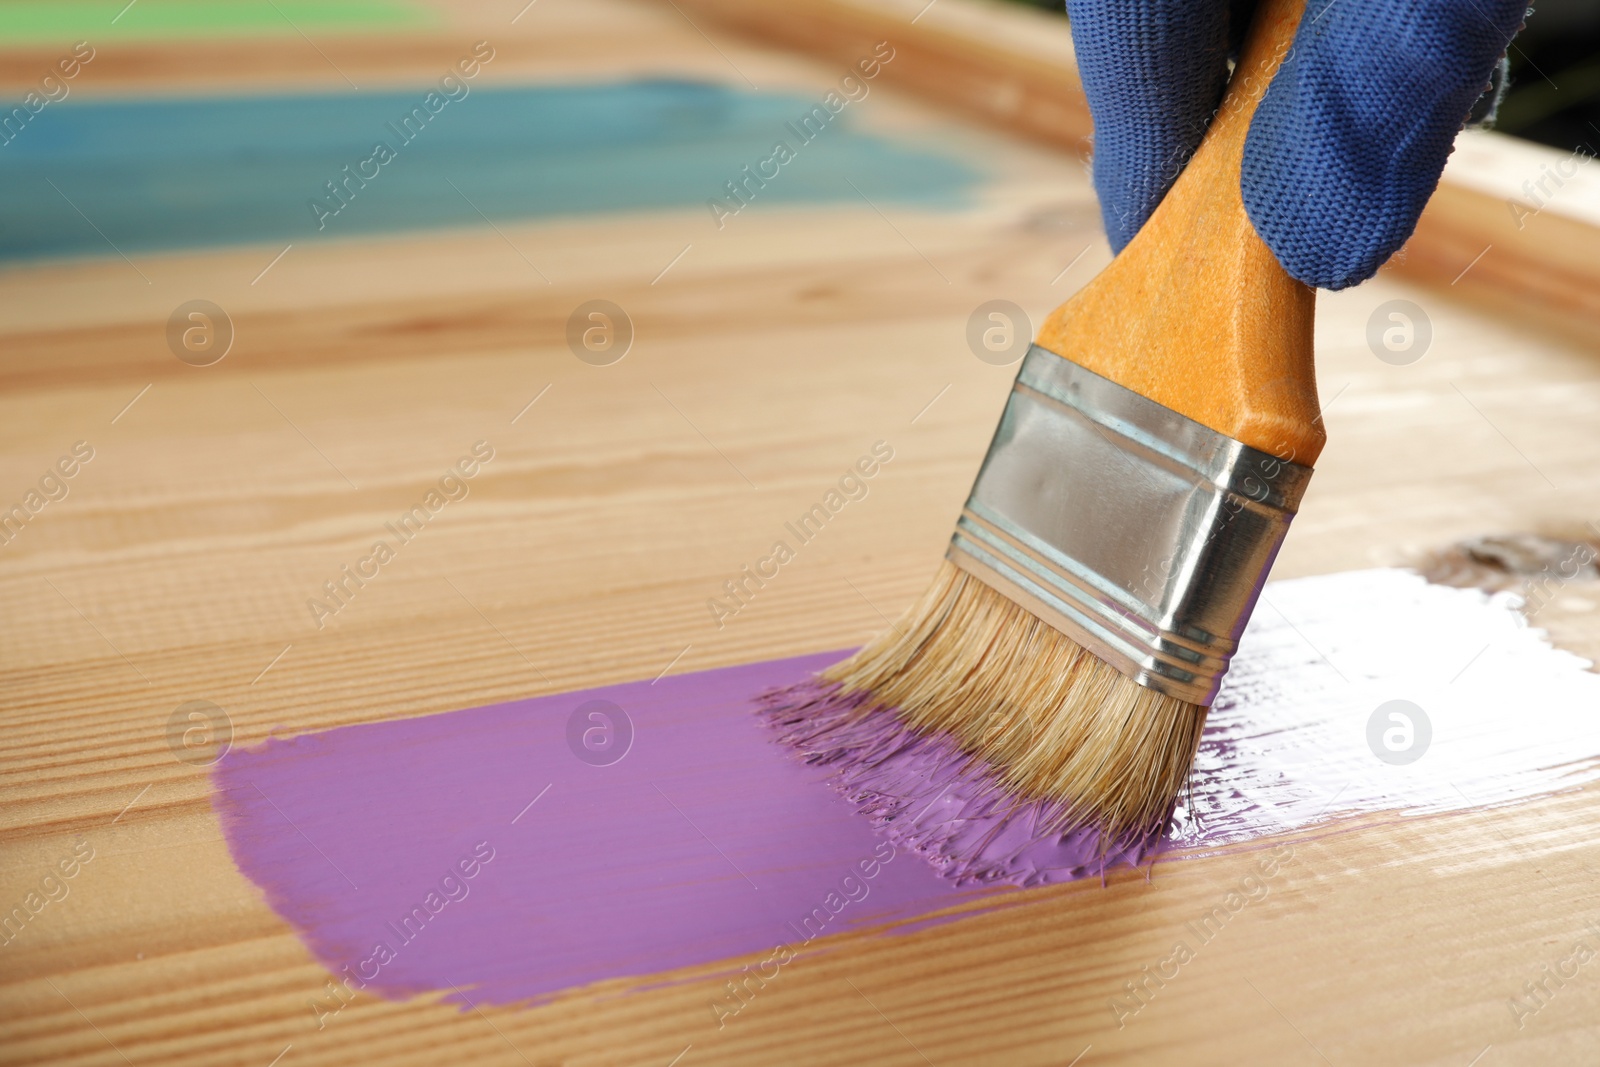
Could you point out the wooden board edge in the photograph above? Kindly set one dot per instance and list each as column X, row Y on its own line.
column 994, row 62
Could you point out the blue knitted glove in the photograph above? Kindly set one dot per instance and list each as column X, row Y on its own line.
column 1344, row 149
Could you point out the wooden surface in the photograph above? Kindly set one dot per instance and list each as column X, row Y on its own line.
column 766, row 360
column 1195, row 313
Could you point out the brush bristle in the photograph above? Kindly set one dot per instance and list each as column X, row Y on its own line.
column 1052, row 720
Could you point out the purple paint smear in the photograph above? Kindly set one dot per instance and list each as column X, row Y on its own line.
column 926, row 795
column 704, row 842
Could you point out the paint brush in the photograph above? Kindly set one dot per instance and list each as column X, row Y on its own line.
column 1143, row 475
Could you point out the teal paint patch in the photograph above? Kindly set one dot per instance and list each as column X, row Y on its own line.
column 175, row 173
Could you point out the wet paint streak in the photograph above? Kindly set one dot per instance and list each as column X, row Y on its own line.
column 704, row 841
column 708, row 841
column 173, row 173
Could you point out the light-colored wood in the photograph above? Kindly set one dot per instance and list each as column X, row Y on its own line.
column 1195, row 313
column 179, row 566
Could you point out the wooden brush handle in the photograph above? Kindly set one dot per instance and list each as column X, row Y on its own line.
column 1196, row 313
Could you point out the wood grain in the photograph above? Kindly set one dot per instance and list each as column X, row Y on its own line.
column 216, row 504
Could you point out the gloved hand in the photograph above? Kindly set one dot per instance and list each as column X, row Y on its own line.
column 1347, row 144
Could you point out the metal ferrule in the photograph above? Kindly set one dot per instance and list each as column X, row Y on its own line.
column 1139, row 533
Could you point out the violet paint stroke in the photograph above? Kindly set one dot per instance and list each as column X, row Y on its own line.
column 924, row 794
column 705, row 841
column 482, row 852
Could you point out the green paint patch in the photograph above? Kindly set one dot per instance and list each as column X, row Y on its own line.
column 62, row 21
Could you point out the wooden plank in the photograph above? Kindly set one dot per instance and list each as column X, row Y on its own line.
column 179, row 565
